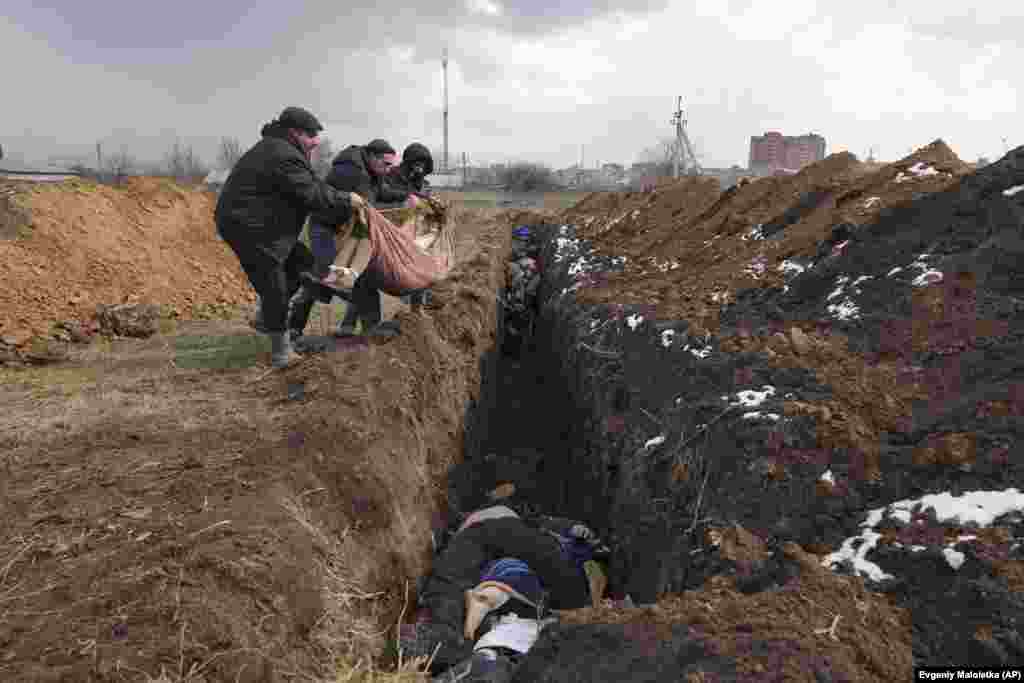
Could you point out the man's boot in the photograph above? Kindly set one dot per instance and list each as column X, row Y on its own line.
column 299, row 308
column 282, row 355
column 256, row 322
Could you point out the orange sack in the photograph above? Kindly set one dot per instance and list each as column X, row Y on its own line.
column 406, row 260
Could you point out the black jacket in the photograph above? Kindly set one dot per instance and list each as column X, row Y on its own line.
column 399, row 183
column 270, row 192
column 350, row 172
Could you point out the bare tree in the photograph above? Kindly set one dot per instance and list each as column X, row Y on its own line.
column 182, row 163
column 323, row 156
column 229, row 153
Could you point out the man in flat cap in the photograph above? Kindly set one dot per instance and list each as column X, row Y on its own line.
column 262, row 209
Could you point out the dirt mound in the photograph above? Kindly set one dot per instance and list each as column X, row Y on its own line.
column 167, row 515
column 830, row 359
column 66, row 248
column 714, row 246
column 817, row 626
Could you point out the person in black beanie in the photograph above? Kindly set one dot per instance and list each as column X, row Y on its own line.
column 410, row 176
column 262, row 209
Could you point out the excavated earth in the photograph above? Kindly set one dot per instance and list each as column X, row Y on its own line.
column 792, row 408
column 164, row 518
column 66, row 248
column 795, row 409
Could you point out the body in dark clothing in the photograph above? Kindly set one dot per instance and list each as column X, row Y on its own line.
column 261, row 211
column 458, row 569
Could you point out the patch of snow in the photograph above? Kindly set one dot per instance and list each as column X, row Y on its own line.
column 1013, row 190
column 893, row 271
column 754, row 233
column 756, row 415
column 656, row 441
column 928, row 277
column 667, row 338
column 720, row 297
column 788, row 266
column 845, row 310
column 839, row 289
column 855, row 550
column 974, row 507
column 634, row 321
column 954, row 558
column 636, row 212
column 699, row 353
column 578, row 266
column 749, row 398
column 862, row 278
column 828, row 476
column 839, row 247
column 918, row 170
column 871, row 201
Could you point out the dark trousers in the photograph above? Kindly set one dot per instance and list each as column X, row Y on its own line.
column 276, row 280
column 366, row 305
column 366, row 302
column 323, row 240
column 458, row 567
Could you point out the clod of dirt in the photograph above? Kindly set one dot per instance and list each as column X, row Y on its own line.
column 128, row 320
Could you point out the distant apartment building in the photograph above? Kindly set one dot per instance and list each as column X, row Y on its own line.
column 774, row 152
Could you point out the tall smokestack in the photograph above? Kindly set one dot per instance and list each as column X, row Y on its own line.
column 444, row 66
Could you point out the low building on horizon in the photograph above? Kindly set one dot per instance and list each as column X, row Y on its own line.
column 776, row 154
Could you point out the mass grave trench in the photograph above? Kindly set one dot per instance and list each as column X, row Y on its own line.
column 661, row 438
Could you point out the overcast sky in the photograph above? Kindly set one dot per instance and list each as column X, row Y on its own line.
column 528, row 79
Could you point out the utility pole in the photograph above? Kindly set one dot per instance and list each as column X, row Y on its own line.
column 465, row 169
column 444, row 67
column 682, row 142
column 99, row 157
column 677, row 119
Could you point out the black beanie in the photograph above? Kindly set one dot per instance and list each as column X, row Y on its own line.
column 297, row 117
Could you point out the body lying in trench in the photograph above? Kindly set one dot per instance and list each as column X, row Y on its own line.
column 494, row 583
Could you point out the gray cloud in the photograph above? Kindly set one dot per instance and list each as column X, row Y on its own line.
column 536, row 81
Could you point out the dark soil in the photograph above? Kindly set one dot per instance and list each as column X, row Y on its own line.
column 654, row 317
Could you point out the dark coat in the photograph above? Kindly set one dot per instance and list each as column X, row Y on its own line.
column 269, row 194
column 400, row 183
